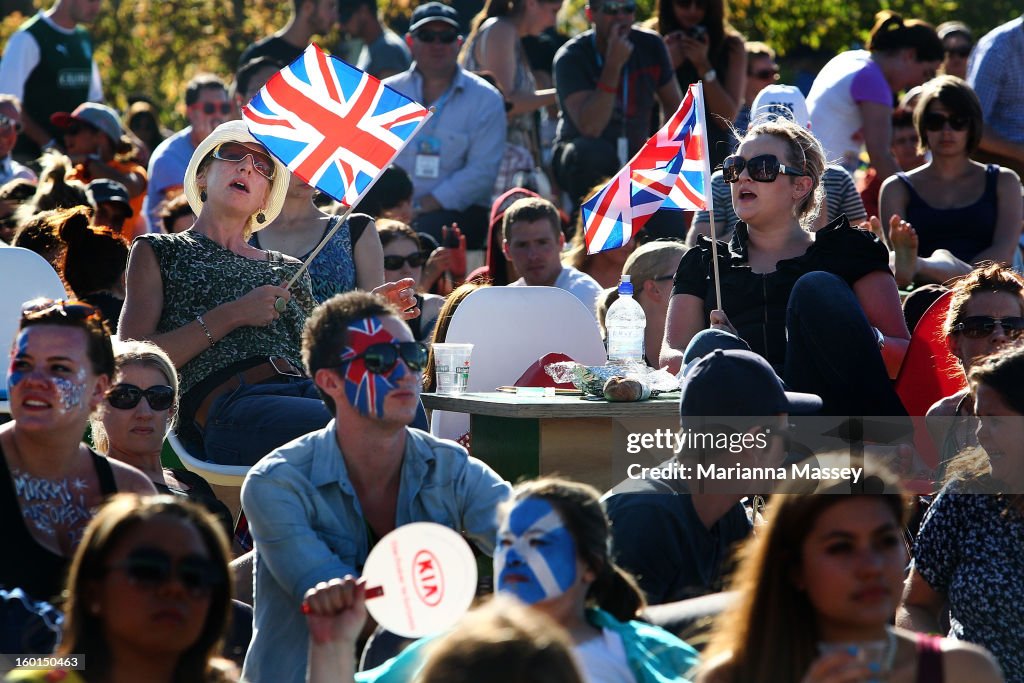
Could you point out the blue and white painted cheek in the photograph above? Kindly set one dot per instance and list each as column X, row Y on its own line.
column 535, row 558
column 70, row 390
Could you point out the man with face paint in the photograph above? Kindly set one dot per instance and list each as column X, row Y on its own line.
column 317, row 505
column 675, row 534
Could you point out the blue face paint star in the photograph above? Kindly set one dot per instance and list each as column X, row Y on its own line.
column 366, row 390
column 535, row 558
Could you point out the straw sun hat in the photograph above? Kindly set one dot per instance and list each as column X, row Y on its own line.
column 236, row 131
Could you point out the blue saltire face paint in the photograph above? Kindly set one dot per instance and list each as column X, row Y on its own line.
column 70, row 390
column 535, row 558
column 366, row 390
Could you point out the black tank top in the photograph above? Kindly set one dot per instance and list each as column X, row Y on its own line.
column 26, row 564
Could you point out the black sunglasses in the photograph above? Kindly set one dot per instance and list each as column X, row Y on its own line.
column 67, row 308
column 127, row 396
column 963, row 52
column 152, row 568
column 612, row 9
column 766, row 74
column 764, row 168
column 236, row 151
column 76, row 127
column 445, row 37
column 981, row 326
column 394, row 262
column 6, row 122
column 223, row 108
column 381, row 358
column 935, row 122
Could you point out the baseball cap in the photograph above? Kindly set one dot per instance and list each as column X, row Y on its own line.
column 106, row 190
column 433, row 11
column 781, row 100
column 738, row 383
column 97, row 115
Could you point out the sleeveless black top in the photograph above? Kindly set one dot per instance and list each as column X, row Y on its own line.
column 26, row 564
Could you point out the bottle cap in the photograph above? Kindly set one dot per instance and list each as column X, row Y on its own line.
column 625, row 286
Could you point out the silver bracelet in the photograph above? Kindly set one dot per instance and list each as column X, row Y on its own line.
column 206, row 330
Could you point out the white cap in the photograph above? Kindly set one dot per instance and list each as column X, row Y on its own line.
column 781, row 100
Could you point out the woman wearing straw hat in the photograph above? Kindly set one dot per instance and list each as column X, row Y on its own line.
column 220, row 309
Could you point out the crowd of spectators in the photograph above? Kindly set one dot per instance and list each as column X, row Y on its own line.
column 839, row 214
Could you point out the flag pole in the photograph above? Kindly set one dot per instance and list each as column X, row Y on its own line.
column 709, row 198
column 348, row 209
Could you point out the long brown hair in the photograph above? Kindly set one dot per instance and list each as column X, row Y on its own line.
column 770, row 632
column 444, row 319
column 83, row 630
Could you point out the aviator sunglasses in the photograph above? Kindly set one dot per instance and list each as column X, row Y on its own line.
column 381, row 358
column 981, row 326
column 223, row 108
column 764, row 168
column 394, row 262
column 67, row 308
column 152, row 568
column 127, row 396
column 612, row 9
column 236, row 151
column 445, row 37
column 935, row 122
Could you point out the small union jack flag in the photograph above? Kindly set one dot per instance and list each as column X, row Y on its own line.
column 334, row 126
column 366, row 390
column 670, row 171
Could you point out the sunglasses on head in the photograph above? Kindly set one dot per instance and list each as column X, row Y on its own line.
column 935, row 122
column 236, row 151
column 445, row 37
column 612, row 9
column 151, row 568
column 67, row 308
column 963, row 51
column 981, row 326
column 764, row 168
column 127, row 396
column 394, row 262
column 223, row 108
column 381, row 358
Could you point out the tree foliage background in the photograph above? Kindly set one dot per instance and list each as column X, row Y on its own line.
column 153, row 47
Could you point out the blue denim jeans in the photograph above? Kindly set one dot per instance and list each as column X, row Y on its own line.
column 254, row 419
column 831, row 349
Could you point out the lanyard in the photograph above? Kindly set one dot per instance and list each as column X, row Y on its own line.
column 439, row 104
column 625, row 80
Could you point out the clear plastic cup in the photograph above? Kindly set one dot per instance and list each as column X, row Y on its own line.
column 451, row 366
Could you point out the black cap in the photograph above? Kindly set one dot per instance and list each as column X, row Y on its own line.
column 433, row 11
column 737, row 383
column 105, row 190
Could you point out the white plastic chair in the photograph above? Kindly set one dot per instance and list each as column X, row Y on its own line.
column 26, row 275
column 511, row 328
column 221, row 475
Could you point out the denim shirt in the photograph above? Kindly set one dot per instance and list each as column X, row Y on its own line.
column 470, row 126
column 308, row 527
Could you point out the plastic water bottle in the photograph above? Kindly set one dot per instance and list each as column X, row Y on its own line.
column 625, row 323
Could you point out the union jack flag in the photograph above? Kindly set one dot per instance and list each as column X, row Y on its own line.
column 366, row 390
column 333, row 125
column 670, row 171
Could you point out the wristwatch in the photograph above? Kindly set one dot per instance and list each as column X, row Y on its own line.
column 710, row 75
